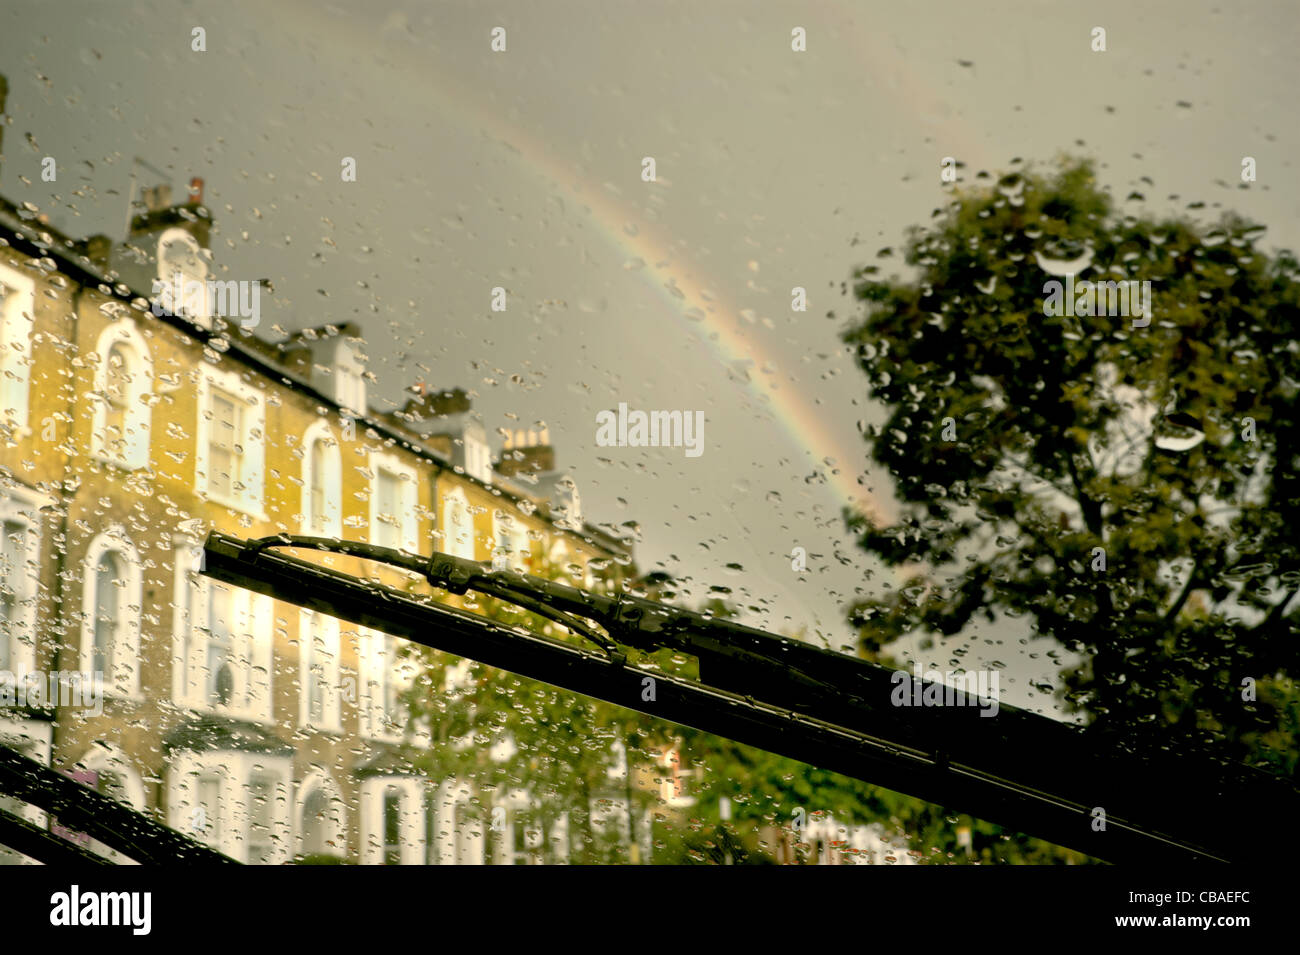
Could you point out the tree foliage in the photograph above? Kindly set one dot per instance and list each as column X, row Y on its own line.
column 1125, row 491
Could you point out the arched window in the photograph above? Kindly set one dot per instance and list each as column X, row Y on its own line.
column 111, row 613
column 117, row 395
column 318, row 650
column 320, row 812
column 318, row 492
column 322, row 482
column 122, row 380
column 313, row 829
column 394, row 499
column 392, row 820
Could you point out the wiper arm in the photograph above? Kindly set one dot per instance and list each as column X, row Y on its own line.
column 1018, row 769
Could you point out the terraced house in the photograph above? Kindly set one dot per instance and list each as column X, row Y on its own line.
column 268, row 731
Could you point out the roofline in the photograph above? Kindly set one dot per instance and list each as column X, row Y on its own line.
column 85, row 273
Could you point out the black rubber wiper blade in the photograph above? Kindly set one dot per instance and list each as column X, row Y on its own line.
column 82, row 809
column 1020, row 770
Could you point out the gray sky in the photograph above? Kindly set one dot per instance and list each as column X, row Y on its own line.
column 522, row 169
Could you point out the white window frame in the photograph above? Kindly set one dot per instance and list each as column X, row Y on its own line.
column 332, row 524
column 335, row 822
column 21, row 506
column 252, row 438
column 517, row 803
column 408, row 482
column 378, row 658
column 512, row 528
column 234, row 771
column 278, row 809
column 17, row 318
column 457, row 844
column 478, row 455
column 308, row 622
column 252, row 625
column 139, row 414
column 411, row 818
column 453, row 541
column 124, row 681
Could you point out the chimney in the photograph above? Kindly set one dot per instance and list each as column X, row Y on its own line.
column 424, row 404
column 196, row 191
column 527, row 451
column 157, row 198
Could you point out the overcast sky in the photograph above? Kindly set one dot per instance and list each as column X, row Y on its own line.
column 522, row 169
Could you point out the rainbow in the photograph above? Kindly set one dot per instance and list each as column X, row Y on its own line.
column 710, row 317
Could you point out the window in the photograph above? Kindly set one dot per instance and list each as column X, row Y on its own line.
column 478, row 456
column 468, row 835
column 117, row 375
column 223, row 445
column 17, row 308
column 20, row 542
column 318, row 648
column 219, row 678
column 388, row 530
column 107, row 581
column 511, row 545
column 122, row 380
column 206, row 823
column 392, row 826
column 229, row 443
column 321, row 831
column 394, row 496
column 111, row 612
column 457, row 526
column 313, row 823
column 261, row 820
column 13, row 571
column 526, row 837
column 383, row 715
column 392, row 820
column 234, row 800
column 322, row 483
column 223, row 642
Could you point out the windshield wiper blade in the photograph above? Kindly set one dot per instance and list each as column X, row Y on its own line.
column 1020, row 770
column 44, row 846
column 98, row 816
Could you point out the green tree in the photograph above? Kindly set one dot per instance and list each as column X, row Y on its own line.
column 563, row 748
column 1123, row 490
column 767, row 790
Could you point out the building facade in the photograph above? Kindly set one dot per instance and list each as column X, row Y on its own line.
column 138, row 412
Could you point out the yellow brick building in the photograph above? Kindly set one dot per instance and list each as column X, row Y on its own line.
column 125, row 436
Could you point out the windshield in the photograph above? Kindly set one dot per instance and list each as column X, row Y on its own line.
column 967, row 354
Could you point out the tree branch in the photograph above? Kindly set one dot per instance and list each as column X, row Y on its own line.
column 1192, row 580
